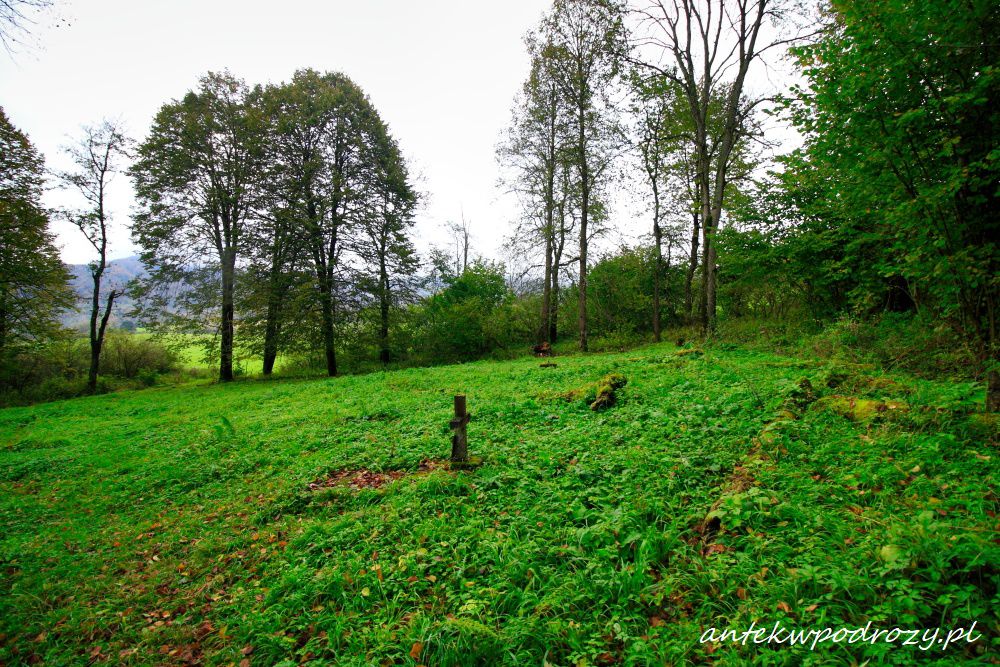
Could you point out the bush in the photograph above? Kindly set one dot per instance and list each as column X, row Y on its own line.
column 774, row 334
column 126, row 356
column 59, row 369
column 55, row 388
column 905, row 341
column 475, row 315
column 148, row 377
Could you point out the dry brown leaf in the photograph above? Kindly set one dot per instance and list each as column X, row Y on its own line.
column 416, row 650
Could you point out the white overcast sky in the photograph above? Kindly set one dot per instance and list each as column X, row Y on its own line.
column 443, row 73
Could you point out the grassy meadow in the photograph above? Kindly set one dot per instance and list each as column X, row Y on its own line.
column 312, row 521
column 191, row 353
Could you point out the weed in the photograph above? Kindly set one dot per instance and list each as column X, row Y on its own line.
column 177, row 525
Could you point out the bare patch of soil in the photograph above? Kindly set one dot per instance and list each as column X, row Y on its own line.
column 363, row 478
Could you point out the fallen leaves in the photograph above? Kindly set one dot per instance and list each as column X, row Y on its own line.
column 363, row 478
column 714, row 548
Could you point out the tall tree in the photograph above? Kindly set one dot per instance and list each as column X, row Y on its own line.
column 536, row 161
column 384, row 245
column 583, row 54
column 33, row 281
column 97, row 158
column 658, row 142
column 197, row 180
column 902, row 123
column 279, row 273
column 692, row 186
column 324, row 143
column 461, row 232
column 710, row 46
column 275, row 284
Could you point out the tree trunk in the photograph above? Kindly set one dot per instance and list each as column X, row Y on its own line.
column 228, row 311
column 545, row 325
column 584, row 213
column 465, row 247
column 3, row 321
column 277, row 290
column 711, row 260
column 554, row 306
column 707, row 245
column 692, row 268
column 384, row 352
column 97, row 332
column 710, row 288
column 270, row 355
column 582, row 300
column 97, row 344
column 95, row 341
column 657, row 263
column 546, row 329
column 323, row 260
column 326, row 310
column 993, row 391
column 703, row 296
column 557, row 253
column 271, row 331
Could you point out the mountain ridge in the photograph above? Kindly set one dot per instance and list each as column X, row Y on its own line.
column 117, row 274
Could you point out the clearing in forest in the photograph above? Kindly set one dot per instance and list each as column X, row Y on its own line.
column 264, row 523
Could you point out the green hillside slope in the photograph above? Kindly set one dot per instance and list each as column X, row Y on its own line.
column 245, row 523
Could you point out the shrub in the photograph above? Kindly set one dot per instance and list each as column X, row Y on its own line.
column 473, row 316
column 126, row 356
column 905, row 341
column 59, row 369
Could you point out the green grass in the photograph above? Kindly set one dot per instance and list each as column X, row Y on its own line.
column 176, row 525
column 191, row 352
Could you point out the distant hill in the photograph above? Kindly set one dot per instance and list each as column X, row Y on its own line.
column 118, row 273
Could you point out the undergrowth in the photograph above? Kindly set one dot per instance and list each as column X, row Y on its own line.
column 184, row 525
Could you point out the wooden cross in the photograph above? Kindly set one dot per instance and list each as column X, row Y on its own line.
column 460, row 441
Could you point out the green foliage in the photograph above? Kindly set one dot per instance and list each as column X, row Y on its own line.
column 182, row 518
column 58, row 368
column 343, row 203
column 755, row 279
column 620, row 297
column 473, row 316
column 129, row 356
column 33, row 281
column 198, row 178
column 620, row 290
column 287, row 209
column 901, row 116
column 921, row 345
